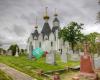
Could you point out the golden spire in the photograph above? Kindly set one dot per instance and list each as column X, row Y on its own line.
column 55, row 13
column 46, row 14
column 36, row 26
column 46, row 11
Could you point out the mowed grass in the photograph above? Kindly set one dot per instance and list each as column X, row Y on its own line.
column 22, row 63
column 4, row 76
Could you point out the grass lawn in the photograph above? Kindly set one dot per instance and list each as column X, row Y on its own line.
column 29, row 67
column 4, row 76
column 68, row 76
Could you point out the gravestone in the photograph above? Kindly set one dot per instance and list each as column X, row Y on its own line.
column 75, row 57
column 70, row 52
column 64, row 56
column 50, row 57
column 16, row 52
column 30, row 51
column 9, row 52
column 97, row 62
column 2, row 52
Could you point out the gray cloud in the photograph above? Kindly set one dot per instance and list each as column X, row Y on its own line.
column 17, row 17
column 19, row 30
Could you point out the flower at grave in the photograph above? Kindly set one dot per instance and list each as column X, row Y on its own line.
column 37, row 53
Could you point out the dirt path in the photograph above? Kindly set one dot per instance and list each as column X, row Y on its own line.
column 15, row 74
column 69, row 75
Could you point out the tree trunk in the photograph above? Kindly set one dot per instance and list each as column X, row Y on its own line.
column 72, row 46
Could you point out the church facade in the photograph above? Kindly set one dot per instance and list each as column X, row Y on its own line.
column 47, row 39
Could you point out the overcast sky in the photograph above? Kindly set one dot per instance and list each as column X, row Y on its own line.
column 17, row 17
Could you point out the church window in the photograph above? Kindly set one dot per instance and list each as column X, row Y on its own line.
column 51, row 43
column 56, row 24
column 46, row 37
column 35, row 38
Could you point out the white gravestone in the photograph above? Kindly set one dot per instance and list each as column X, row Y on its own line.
column 16, row 52
column 64, row 57
column 50, row 58
column 30, row 51
column 97, row 63
column 75, row 57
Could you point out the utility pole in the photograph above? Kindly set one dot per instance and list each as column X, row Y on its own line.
column 98, row 14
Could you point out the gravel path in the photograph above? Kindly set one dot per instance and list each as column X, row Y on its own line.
column 15, row 74
column 69, row 76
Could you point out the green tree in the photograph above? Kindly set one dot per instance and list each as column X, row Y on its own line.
column 13, row 48
column 72, row 34
column 90, row 38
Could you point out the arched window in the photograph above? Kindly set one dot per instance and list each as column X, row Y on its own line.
column 51, row 43
column 45, row 37
column 35, row 38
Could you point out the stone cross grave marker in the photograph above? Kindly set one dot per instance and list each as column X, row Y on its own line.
column 50, row 57
column 16, row 52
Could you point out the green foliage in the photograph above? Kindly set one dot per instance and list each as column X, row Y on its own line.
column 22, row 63
column 13, row 48
column 90, row 38
column 72, row 34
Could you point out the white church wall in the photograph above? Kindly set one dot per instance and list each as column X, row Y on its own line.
column 52, row 41
column 30, row 39
column 60, row 43
column 51, row 37
column 57, row 41
column 36, row 43
column 27, row 48
column 46, row 45
column 40, row 38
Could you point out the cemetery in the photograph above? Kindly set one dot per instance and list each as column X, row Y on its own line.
column 53, row 65
column 46, row 67
column 31, row 67
column 51, row 48
column 60, row 61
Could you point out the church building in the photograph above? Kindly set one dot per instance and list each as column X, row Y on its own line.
column 47, row 39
